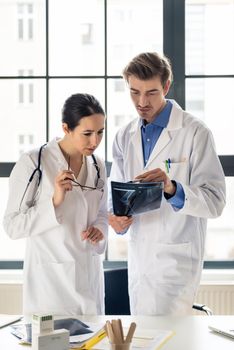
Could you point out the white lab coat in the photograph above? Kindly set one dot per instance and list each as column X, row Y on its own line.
column 62, row 274
column 166, row 246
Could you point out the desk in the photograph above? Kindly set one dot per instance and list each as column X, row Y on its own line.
column 192, row 332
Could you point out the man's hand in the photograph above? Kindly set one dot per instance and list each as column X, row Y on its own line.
column 158, row 175
column 119, row 223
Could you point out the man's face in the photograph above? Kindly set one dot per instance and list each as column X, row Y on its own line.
column 148, row 96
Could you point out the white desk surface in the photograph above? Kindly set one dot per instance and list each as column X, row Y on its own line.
column 191, row 332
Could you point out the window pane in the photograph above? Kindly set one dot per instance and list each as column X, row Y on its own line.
column 133, row 26
column 220, row 233
column 9, row 249
column 22, row 36
column 20, row 115
column 212, row 101
column 117, row 246
column 76, row 37
column 120, row 110
column 209, row 36
column 60, row 90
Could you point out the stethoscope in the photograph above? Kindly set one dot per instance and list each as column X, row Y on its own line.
column 98, row 185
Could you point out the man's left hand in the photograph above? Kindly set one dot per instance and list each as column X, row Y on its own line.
column 157, row 175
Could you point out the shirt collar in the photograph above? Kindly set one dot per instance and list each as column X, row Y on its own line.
column 162, row 118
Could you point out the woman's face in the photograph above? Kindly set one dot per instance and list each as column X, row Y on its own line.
column 86, row 137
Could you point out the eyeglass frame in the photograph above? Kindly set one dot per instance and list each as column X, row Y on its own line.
column 98, row 181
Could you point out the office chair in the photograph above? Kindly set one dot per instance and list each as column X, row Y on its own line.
column 203, row 308
column 116, row 294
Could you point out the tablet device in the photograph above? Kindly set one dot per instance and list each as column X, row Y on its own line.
column 131, row 198
column 228, row 331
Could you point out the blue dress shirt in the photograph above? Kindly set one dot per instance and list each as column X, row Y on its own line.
column 150, row 134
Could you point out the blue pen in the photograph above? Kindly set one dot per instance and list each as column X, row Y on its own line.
column 169, row 162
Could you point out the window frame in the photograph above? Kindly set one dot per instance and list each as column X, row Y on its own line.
column 173, row 32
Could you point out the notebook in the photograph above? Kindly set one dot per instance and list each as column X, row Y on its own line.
column 5, row 320
column 228, row 331
column 81, row 334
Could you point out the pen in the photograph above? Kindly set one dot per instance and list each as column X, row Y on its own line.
column 167, row 166
column 91, row 342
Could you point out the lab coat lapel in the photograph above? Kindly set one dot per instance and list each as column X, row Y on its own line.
column 162, row 142
column 91, row 173
column 175, row 122
column 136, row 142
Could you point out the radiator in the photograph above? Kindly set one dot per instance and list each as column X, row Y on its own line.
column 219, row 298
column 11, row 298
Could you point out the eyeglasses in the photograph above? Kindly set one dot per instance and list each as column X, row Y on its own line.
column 98, row 186
column 99, row 182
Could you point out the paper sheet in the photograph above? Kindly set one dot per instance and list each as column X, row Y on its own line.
column 147, row 339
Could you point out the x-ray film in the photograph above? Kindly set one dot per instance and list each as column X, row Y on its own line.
column 135, row 198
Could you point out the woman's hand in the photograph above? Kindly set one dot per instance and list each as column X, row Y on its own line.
column 62, row 184
column 92, row 234
column 158, row 175
column 120, row 223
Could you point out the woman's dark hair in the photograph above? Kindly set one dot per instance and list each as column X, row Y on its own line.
column 78, row 106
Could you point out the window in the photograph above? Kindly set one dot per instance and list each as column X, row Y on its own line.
column 25, row 143
column 87, row 33
column 209, row 86
column 86, row 51
column 119, row 85
column 25, row 21
column 25, row 88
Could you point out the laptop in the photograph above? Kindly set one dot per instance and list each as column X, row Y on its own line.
column 229, row 332
column 5, row 319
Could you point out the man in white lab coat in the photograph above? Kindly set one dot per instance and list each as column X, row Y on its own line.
column 165, row 143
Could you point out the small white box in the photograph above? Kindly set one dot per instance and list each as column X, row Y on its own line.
column 56, row 340
column 42, row 323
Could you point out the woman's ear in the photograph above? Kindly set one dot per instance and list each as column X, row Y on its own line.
column 65, row 128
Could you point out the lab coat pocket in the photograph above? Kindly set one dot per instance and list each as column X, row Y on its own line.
column 177, row 170
column 56, row 280
column 173, row 263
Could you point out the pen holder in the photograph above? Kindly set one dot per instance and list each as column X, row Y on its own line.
column 124, row 346
column 116, row 336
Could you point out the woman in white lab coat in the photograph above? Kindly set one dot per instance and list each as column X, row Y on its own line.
column 166, row 246
column 64, row 219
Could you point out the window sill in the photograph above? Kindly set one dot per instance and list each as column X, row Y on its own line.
column 209, row 277
column 217, row 276
column 11, row 276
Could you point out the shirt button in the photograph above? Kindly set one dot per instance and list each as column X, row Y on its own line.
column 148, row 140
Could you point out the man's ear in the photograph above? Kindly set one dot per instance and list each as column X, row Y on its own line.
column 66, row 129
column 167, row 87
